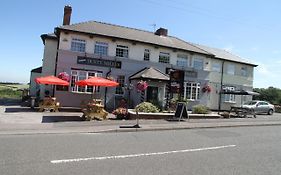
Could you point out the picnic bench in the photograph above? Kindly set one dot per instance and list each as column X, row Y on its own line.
column 49, row 104
column 242, row 112
column 94, row 110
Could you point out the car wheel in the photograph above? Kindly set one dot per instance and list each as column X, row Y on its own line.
column 270, row 112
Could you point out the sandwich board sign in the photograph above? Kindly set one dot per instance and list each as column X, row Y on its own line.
column 181, row 111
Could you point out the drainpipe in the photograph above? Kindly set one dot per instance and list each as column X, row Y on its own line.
column 56, row 62
column 105, row 91
column 222, row 72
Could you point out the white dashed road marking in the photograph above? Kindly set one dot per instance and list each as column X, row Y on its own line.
column 139, row 155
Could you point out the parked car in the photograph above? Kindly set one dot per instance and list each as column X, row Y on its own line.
column 260, row 107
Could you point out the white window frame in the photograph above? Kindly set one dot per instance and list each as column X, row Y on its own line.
column 78, row 45
column 229, row 98
column 146, row 55
column 119, row 90
column 122, row 51
column 230, row 69
column 182, row 60
column 198, row 63
column 77, row 75
column 164, row 57
column 191, row 90
column 101, row 48
column 216, row 67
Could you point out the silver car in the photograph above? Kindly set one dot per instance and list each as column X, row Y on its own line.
column 260, row 107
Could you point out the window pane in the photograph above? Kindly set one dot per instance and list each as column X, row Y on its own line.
column 146, row 54
column 182, row 60
column 121, row 81
column 198, row 64
column 164, row 57
column 192, row 91
column 244, row 71
column 78, row 45
column 122, row 51
column 101, row 48
column 231, row 69
column 216, row 67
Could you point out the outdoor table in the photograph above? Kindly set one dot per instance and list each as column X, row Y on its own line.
column 49, row 104
column 242, row 112
column 94, row 110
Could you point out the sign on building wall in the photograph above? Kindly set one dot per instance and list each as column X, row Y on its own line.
column 99, row 62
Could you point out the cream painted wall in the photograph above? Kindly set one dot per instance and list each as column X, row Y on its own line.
column 49, row 63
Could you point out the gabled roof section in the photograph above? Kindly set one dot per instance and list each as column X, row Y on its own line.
column 116, row 31
column 150, row 73
column 37, row 70
column 225, row 55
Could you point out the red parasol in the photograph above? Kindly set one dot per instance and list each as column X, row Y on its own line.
column 52, row 80
column 97, row 81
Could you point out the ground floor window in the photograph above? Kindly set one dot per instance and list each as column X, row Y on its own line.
column 191, row 90
column 77, row 75
column 229, row 97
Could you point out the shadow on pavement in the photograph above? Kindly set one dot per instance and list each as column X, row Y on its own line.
column 18, row 109
column 51, row 119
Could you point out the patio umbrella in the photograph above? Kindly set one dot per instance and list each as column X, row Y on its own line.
column 51, row 80
column 97, row 81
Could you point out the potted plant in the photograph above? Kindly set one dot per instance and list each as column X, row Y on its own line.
column 121, row 113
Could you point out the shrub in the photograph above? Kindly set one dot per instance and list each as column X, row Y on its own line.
column 147, row 107
column 200, row 109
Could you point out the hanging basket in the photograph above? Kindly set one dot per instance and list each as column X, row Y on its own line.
column 206, row 89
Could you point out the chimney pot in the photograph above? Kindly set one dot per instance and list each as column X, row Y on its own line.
column 67, row 15
column 161, row 32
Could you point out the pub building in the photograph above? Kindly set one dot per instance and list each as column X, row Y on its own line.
column 172, row 67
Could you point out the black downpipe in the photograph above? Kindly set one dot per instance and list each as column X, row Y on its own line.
column 105, row 91
column 222, row 72
column 56, row 63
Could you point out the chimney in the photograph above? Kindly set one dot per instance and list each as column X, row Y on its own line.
column 67, row 15
column 161, row 32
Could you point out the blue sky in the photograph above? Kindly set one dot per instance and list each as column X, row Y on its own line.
column 251, row 29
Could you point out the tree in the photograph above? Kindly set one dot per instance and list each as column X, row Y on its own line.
column 271, row 94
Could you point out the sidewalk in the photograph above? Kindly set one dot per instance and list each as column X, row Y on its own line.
column 20, row 121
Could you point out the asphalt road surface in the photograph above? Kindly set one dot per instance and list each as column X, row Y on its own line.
column 221, row 151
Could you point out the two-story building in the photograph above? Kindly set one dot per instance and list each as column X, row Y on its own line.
column 129, row 55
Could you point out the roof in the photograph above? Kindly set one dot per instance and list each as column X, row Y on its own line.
column 37, row 70
column 225, row 55
column 137, row 35
column 49, row 36
column 105, row 29
column 150, row 73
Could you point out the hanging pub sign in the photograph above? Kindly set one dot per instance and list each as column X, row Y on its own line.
column 176, row 80
column 99, row 62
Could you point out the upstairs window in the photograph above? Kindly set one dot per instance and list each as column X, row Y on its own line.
column 216, row 67
column 122, row 51
column 146, row 55
column 198, row 63
column 101, row 48
column 78, row 45
column 182, row 60
column 164, row 57
column 244, row 71
column 230, row 69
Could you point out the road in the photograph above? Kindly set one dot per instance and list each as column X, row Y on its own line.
column 217, row 151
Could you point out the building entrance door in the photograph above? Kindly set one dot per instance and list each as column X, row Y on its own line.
column 152, row 94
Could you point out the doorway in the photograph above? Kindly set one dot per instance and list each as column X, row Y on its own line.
column 152, row 94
